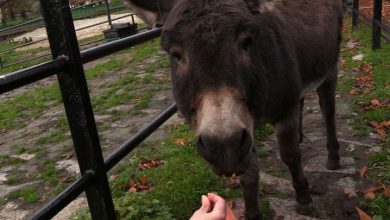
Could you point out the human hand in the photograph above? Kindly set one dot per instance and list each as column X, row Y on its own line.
column 213, row 208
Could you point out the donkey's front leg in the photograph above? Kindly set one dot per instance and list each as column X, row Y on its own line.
column 288, row 137
column 250, row 184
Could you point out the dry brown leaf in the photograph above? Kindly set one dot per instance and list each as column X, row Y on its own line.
column 66, row 179
column 375, row 124
column 353, row 92
column 363, row 215
column 382, row 133
column 367, row 68
column 372, row 189
column 68, row 155
column 181, row 142
column 375, row 102
column 386, row 124
column 386, row 192
column 148, row 164
column 363, row 171
column 144, row 181
column 370, row 196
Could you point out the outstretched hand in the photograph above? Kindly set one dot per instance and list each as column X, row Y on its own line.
column 213, row 208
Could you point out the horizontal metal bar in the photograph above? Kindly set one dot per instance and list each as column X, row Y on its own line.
column 23, row 45
column 127, row 147
column 103, row 22
column 26, row 60
column 87, row 5
column 65, row 197
column 20, row 25
column 91, row 54
column 23, row 77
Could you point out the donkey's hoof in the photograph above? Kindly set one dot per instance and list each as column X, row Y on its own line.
column 333, row 164
column 304, row 209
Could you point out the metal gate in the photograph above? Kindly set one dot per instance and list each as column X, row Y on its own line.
column 67, row 64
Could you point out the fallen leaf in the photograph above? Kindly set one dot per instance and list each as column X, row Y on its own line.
column 181, row 142
column 375, row 102
column 386, row 191
column 363, row 215
column 386, row 124
column 68, row 155
column 66, row 179
column 144, row 181
column 380, row 129
column 148, row 164
column 353, row 92
column 363, row 171
column 382, row 133
column 372, row 189
column 374, row 124
column 370, row 196
column 367, row 68
column 142, row 185
column 133, row 189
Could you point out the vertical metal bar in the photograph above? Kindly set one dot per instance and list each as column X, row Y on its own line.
column 1, row 63
column 73, row 84
column 132, row 19
column 108, row 12
column 376, row 25
column 355, row 14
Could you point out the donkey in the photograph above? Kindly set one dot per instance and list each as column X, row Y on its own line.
column 237, row 64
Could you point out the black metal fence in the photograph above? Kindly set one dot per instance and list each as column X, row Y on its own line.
column 375, row 22
column 37, row 23
column 67, row 64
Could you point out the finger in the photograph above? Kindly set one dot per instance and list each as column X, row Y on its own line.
column 219, row 203
column 206, row 205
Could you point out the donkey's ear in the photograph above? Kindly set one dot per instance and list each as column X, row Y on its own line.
column 153, row 12
column 254, row 5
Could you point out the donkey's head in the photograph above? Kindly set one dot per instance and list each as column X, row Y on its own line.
column 211, row 47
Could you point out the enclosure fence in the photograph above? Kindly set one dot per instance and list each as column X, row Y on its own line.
column 68, row 63
column 36, row 24
column 376, row 21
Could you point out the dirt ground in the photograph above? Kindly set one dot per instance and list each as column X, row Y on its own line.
column 40, row 33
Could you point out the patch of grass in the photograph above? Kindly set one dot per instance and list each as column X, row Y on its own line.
column 379, row 163
column 58, row 189
column 49, row 172
column 51, row 138
column 28, row 194
column 379, row 207
column 28, row 104
column 11, row 181
column 7, row 160
column 21, row 149
column 180, row 182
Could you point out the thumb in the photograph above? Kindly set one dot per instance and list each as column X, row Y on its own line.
column 206, row 205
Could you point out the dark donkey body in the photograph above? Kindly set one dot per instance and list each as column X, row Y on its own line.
column 237, row 64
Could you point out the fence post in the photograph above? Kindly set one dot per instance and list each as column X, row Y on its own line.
column 74, row 89
column 376, row 25
column 108, row 12
column 355, row 14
